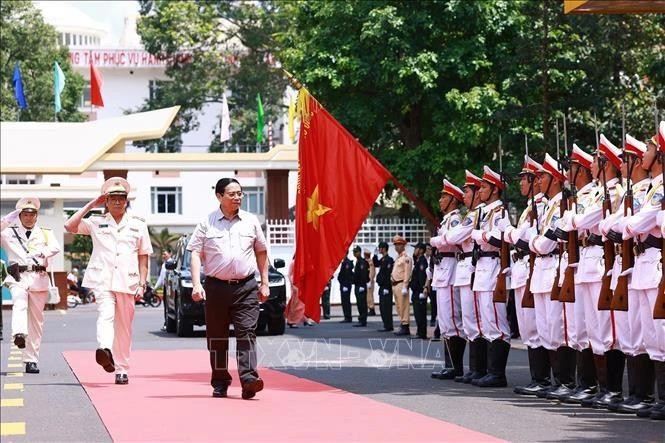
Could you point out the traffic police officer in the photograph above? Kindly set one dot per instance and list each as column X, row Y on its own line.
column 117, row 271
column 400, row 279
column 28, row 248
column 371, row 262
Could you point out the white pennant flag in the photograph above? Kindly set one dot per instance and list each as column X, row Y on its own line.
column 225, row 129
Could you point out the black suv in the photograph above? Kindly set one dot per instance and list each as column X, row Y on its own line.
column 181, row 313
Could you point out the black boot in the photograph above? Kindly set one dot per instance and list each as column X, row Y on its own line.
column 539, row 366
column 481, row 360
column 641, row 371
column 616, row 362
column 468, row 376
column 600, row 364
column 658, row 410
column 454, row 359
column 498, row 359
column 403, row 330
column 566, row 358
column 444, row 373
column 586, row 378
column 553, row 358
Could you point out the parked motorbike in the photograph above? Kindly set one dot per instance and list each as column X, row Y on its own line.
column 73, row 300
column 149, row 298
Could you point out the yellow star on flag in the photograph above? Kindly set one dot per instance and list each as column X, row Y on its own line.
column 315, row 209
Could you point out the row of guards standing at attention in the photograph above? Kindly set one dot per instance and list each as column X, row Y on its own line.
column 585, row 260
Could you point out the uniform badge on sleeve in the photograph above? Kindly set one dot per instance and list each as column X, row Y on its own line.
column 467, row 221
column 454, row 223
column 657, row 198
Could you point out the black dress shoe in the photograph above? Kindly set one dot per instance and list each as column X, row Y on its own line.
column 607, row 399
column 636, row 406
column 580, row 394
column 475, row 377
column 543, row 393
column 560, row 392
column 447, row 374
column 493, row 381
column 385, row 330
column 531, row 389
column 658, row 413
column 19, row 341
column 104, row 358
column 466, row 378
column 614, row 407
column 360, row 325
column 250, row 388
column 403, row 331
column 371, row 313
column 121, row 379
column 220, row 391
column 31, row 368
column 646, row 413
column 346, row 320
column 475, row 380
column 588, row 403
column 326, row 317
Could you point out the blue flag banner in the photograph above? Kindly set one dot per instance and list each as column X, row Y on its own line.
column 18, row 88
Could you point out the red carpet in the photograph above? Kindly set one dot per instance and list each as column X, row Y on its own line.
column 168, row 398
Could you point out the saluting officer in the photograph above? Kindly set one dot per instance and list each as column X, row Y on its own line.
column 117, row 271
column 460, row 236
column 449, row 310
column 28, row 249
column 539, row 362
column 386, row 263
column 400, row 279
column 494, row 316
column 647, row 270
column 345, row 279
column 360, row 281
column 609, row 360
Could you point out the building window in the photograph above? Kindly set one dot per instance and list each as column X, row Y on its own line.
column 166, row 200
column 85, row 95
column 253, row 199
column 19, row 180
column 68, row 40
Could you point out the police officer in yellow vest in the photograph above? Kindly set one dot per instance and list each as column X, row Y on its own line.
column 117, row 271
column 400, row 278
column 28, row 249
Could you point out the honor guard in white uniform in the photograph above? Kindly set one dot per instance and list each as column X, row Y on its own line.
column 539, row 363
column 460, row 236
column 449, row 311
column 117, row 271
column 28, row 247
column 551, row 317
column 494, row 317
column 629, row 323
column 600, row 325
column 647, row 270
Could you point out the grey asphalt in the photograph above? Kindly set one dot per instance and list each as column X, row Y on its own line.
column 359, row 360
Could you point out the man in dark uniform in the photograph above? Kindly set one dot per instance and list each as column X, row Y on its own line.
column 418, row 293
column 325, row 300
column 385, row 265
column 345, row 279
column 360, row 281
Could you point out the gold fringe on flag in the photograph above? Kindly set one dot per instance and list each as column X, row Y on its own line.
column 302, row 107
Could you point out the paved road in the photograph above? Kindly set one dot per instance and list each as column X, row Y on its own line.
column 358, row 360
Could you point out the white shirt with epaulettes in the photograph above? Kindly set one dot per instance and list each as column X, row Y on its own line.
column 444, row 271
column 460, row 236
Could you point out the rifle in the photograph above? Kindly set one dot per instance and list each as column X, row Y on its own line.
column 605, row 299
column 563, row 207
column 501, row 291
column 528, row 300
column 659, row 306
column 620, row 297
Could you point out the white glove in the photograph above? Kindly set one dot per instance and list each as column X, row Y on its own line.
column 361, row 289
column 503, row 223
column 660, row 220
column 567, row 221
column 477, row 235
column 405, row 291
column 422, row 296
column 345, row 289
column 386, row 292
column 12, row 216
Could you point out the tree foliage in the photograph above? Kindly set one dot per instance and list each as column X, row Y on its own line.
column 228, row 45
column 28, row 40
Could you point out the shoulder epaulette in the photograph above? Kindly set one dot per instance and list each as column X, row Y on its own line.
column 139, row 218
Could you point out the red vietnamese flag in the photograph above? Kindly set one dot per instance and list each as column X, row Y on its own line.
column 95, row 87
column 339, row 181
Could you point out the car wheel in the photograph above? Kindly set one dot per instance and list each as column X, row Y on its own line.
column 183, row 327
column 276, row 326
column 155, row 301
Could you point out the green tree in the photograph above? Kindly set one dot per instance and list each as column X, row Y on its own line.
column 162, row 240
column 227, row 47
column 26, row 39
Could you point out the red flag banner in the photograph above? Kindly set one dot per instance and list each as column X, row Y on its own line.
column 338, row 182
column 95, row 87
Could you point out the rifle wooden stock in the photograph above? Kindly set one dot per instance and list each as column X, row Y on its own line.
column 500, row 291
column 556, row 290
column 605, row 299
column 528, row 300
column 567, row 292
column 620, row 296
